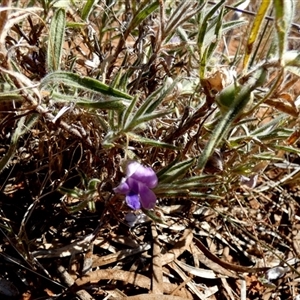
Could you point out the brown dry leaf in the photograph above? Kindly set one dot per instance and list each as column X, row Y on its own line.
column 284, row 102
column 254, row 287
column 27, row 295
column 294, row 137
column 219, row 79
column 48, row 292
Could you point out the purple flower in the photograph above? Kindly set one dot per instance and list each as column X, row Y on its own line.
column 137, row 186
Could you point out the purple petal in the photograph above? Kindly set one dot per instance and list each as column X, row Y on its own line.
column 133, row 201
column 122, row 188
column 142, row 174
column 132, row 167
column 147, row 197
column 134, row 185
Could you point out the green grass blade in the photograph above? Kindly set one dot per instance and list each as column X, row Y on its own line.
column 87, row 9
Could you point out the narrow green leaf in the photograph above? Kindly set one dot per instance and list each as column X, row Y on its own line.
column 126, row 115
column 10, row 97
column 176, row 171
column 110, row 104
column 284, row 13
column 70, row 192
column 143, row 14
column 145, row 118
column 187, row 194
column 150, row 142
column 236, row 107
column 204, row 25
column 87, row 9
column 150, row 104
column 75, row 25
column 86, row 83
column 287, row 149
column 56, row 39
column 166, row 90
column 115, row 104
column 217, row 34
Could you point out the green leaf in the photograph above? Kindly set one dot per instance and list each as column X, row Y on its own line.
column 145, row 118
column 284, row 13
column 217, row 34
column 86, row 83
column 174, row 172
column 143, row 14
column 115, row 104
column 56, row 39
column 150, row 142
column 144, row 112
column 75, row 25
column 202, row 35
column 10, row 97
column 126, row 115
column 87, row 9
column 236, row 107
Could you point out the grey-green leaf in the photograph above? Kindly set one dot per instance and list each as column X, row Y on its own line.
column 83, row 82
column 56, row 39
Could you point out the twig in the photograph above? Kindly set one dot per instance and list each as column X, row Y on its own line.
column 157, row 274
column 69, row 281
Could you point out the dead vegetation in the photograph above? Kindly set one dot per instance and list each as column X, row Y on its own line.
column 186, row 87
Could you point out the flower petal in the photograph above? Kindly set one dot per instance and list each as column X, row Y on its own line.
column 145, row 175
column 132, row 166
column 147, row 197
column 122, row 188
column 133, row 201
column 134, row 185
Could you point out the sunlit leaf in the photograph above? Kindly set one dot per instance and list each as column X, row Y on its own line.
column 255, row 30
column 284, row 13
column 56, row 39
column 82, row 82
column 87, row 9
